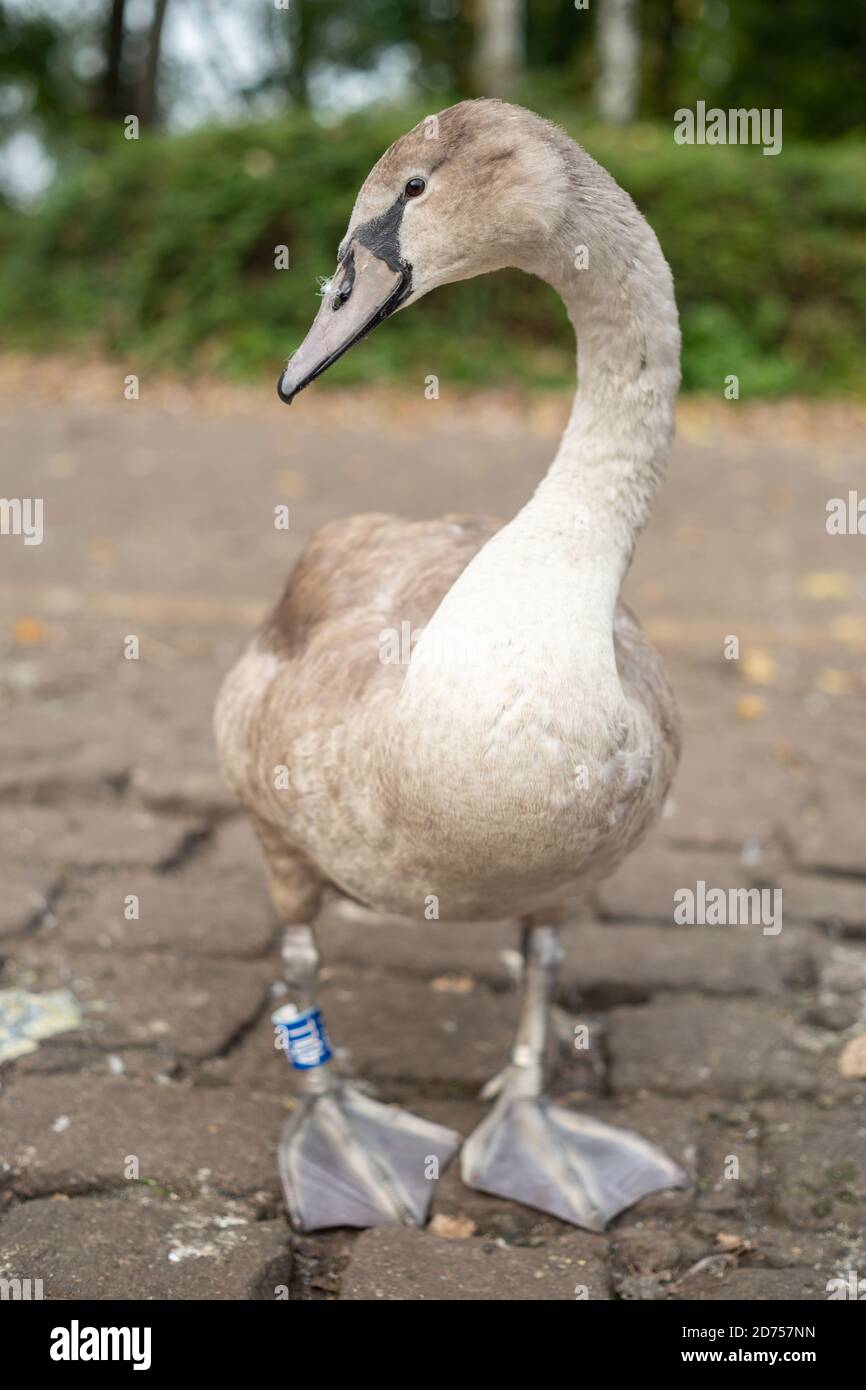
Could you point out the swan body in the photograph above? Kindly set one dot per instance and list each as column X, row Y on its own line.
column 529, row 740
column 488, row 773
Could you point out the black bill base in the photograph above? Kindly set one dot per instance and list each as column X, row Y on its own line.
column 363, row 292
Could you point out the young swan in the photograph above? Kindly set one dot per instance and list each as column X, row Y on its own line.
column 531, row 739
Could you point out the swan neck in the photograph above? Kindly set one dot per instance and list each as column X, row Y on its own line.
column 609, row 270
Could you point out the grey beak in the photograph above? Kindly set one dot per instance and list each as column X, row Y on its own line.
column 363, row 292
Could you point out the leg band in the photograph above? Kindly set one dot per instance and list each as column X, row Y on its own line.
column 302, row 1036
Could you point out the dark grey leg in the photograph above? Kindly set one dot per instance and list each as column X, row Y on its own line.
column 346, row 1160
column 532, row 1151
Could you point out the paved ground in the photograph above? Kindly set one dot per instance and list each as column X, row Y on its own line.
column 137, row 1153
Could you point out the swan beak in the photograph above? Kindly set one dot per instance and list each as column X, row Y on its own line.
column 363, row 292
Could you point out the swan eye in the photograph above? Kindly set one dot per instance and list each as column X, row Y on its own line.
column 415, row 187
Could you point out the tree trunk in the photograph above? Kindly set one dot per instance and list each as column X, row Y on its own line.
column 499, row 46
column 664, row 73
column 112, row 92
column 300, row 56
column 149, row 104
column 618, row 40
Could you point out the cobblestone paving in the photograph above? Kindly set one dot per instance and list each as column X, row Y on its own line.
column 137, row 1155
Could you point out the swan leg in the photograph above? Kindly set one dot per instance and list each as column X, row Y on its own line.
column 532, row 1151
column 346, row 1160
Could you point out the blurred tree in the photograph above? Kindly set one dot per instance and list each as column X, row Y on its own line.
column 131, row 64
column 37, row 77
column 111, row 93
column 661, row 25
column 299, row 52
column 618, row 82
column 500, row 52
column 149, row 102
column 806, row 57
column 317, row 43
column 64, row 62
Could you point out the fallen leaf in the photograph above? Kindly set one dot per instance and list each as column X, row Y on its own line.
column 825, row 584
column 452, row 1227
column 454, row 984
column 832, row 681
column 852, row 1058
column 28, row 632
column 289, row 483
column 750, row 707
column 758, row 667
column 726, row 1241
column 850, row 629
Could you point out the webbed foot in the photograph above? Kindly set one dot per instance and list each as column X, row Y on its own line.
column 347, row 1160
column 570, row 1165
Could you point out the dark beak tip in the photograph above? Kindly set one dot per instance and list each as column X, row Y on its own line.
column 285, row 396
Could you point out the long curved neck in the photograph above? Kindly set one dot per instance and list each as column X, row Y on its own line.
column 541, row 594
column 606, row 264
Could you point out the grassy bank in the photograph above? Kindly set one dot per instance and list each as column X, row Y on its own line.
column 161, row 252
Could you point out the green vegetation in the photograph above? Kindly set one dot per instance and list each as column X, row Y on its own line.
column 161, row 252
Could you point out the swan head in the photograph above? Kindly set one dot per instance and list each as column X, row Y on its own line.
column 472, row 190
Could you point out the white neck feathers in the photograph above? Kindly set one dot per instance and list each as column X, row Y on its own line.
column 606, row 264
column 541, row 595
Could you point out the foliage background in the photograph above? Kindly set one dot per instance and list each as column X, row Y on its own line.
column 161, row 250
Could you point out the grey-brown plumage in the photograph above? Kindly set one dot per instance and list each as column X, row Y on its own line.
column 317, row 667
column 457, row 718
